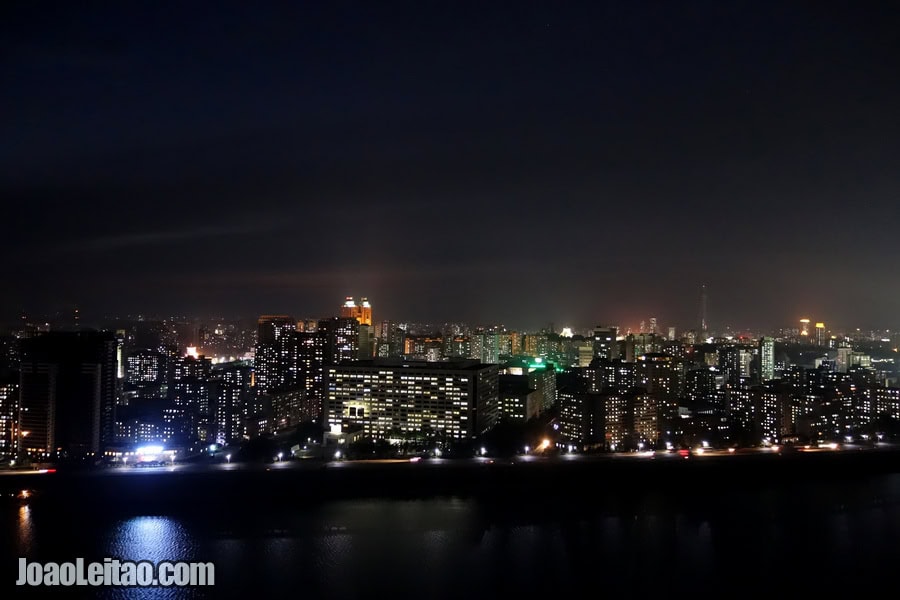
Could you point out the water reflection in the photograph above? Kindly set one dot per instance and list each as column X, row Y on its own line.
column 150, row 538
column 155, row 539
column 25, row 531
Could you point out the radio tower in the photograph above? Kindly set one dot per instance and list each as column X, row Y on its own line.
column 704, row 324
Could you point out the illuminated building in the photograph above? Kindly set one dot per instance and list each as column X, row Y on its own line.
column 485, row 346
column 387, row 398
column 768, row 408
column 767, row 359
column 844, row 356
column 611, row 375
column 310, row 368
column 340, row 339
column 536, row 345
column 9, row 411
column 804, row 328
column 459, row 347
column 542, row 377
column 644, row 420
column 362, row 312
column 391, row 340
column 701, row 385
column 820, row 334
column 581, row 418
column 190, row 397
column 275, row 363
column 231, row 395
column 518, row 400
column 67, row 390
column 290, row 408
column 144, row 368
column 887, row 402
column 615, row 411
column 604, row 342
column 729, row 361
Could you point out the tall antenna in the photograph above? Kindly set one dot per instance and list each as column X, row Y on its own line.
column 704, row 324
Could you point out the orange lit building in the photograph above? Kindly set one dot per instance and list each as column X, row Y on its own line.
column 362, row 312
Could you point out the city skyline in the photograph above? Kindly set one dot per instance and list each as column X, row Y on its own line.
column 75, row 316
column 476, row 163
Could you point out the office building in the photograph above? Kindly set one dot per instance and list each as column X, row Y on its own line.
column 518, row 400
column 452, row 400
column 362, row 312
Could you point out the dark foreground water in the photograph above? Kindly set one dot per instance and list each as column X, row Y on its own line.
column 669, row 532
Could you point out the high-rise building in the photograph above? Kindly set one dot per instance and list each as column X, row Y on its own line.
column 844, row 357
column 384, row 398
column 190, row 397
column 605, row 344
column 9, row 412
column 820, row 334
column 276, row 361
column 340, row 339
column 362, row 312
column 231, row 395
column 767, row 359
column 145, row 368
column 67, row 394
column 310, row 367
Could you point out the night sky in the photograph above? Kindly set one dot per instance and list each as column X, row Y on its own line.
column 506, row 162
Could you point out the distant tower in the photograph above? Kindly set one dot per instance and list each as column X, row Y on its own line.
column 704, row 324
column 820, row 334
column 361, row 312
column 653, row 325
column 804, row 327
column 75, row 316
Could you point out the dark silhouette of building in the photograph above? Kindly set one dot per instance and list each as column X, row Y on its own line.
column 67, row 394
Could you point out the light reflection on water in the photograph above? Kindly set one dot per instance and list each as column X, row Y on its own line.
column 152, row 538
column 458, row 548
column 25, row 531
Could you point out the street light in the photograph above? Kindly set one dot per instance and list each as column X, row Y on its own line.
column 228, row 458
column 280, row 455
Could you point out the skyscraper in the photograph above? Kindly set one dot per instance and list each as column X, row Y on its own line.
column 190, row 396
column 767, row 359
column 275, row 362
column 68, row 393
column 340, row 339
column 362, row 312
column 9, row 410
column 804, row 328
